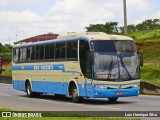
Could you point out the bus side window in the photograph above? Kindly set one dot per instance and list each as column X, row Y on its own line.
column 52, row 51
column 28, row 53
column 47, row 52
column 63, row 50
column 32, row 53
column 69, row 50
column 58, row 53
column 20, row 55
column 24, row 54
column 40, row 52
column 15, row 55
column 74, row 50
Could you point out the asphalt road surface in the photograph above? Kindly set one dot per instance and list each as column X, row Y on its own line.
column 17, row 100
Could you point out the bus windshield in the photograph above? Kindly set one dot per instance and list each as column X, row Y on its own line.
column 115, row 60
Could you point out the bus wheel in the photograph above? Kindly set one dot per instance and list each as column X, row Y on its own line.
column 58, row 95
column 112, row 100
column 29, row 91
column 75, row 96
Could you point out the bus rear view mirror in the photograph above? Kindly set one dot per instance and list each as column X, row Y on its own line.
column 140, row 56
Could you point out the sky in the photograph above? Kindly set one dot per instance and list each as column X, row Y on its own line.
column 20, row 19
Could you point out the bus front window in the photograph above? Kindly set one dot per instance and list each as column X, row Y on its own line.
column 115, row 60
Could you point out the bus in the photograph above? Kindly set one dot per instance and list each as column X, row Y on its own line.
column 79, row 65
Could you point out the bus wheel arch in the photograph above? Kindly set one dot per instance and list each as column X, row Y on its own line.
column 28, row 89
column 27, row 82
column 74, row 92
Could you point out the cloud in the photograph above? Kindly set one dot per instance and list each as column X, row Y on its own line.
column 24, row 16
column 81, row 13
column 63, row 16
column 138, row 5
column 4, row 3
column 156, row 15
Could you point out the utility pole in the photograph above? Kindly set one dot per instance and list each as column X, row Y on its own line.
column 125, row 18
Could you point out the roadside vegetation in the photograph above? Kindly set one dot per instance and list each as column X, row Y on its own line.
column 151, row 54
column 151, row 73
column 7, row 70
column 72, row 118
column 141, row 36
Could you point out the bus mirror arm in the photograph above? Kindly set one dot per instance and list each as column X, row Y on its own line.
column 140, row 54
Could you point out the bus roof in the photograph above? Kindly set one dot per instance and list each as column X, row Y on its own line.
column 88, row 36
column 96, row 36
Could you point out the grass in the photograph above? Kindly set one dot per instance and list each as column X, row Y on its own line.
column 141, row 36
column 74, row 117
column 151, row 54
column 7, row 70
column 151, row 73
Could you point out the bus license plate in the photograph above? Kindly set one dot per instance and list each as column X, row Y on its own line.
column 119, row 93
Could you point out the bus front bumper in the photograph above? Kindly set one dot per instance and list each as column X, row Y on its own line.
column 113, row 93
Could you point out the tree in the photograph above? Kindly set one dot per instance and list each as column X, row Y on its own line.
column 7, row 48
column 149, row 25
column 108, row 27
column 1, row 48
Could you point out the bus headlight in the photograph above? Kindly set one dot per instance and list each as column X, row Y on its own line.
column 135, row 85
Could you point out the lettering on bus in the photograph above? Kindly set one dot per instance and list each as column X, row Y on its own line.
column 36, row 67
column 46, row 67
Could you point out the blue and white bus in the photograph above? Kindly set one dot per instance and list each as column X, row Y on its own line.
column 87, row 64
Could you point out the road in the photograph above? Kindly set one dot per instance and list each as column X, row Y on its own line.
column 17, row 100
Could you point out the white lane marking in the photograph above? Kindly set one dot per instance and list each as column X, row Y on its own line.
column 95, row 107
column 5, row 84
column 5, row 95
column 108, row 107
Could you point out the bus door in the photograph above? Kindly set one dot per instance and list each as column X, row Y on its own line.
column 85, row 65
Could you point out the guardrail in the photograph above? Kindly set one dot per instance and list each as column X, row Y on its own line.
column 6, row 79
column 149, row 88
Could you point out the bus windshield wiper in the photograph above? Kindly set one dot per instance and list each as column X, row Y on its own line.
column 110, row 68
column 124, row 66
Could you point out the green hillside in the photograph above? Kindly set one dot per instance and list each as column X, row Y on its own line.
column 151, row 54
column 141, row 36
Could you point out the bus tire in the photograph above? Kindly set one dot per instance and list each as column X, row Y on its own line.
column 58, row 95
column 112, row 100
column 75, row 96
column 29, row 91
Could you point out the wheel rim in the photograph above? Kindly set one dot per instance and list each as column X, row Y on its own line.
column 28, row 90
column 75, row 94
